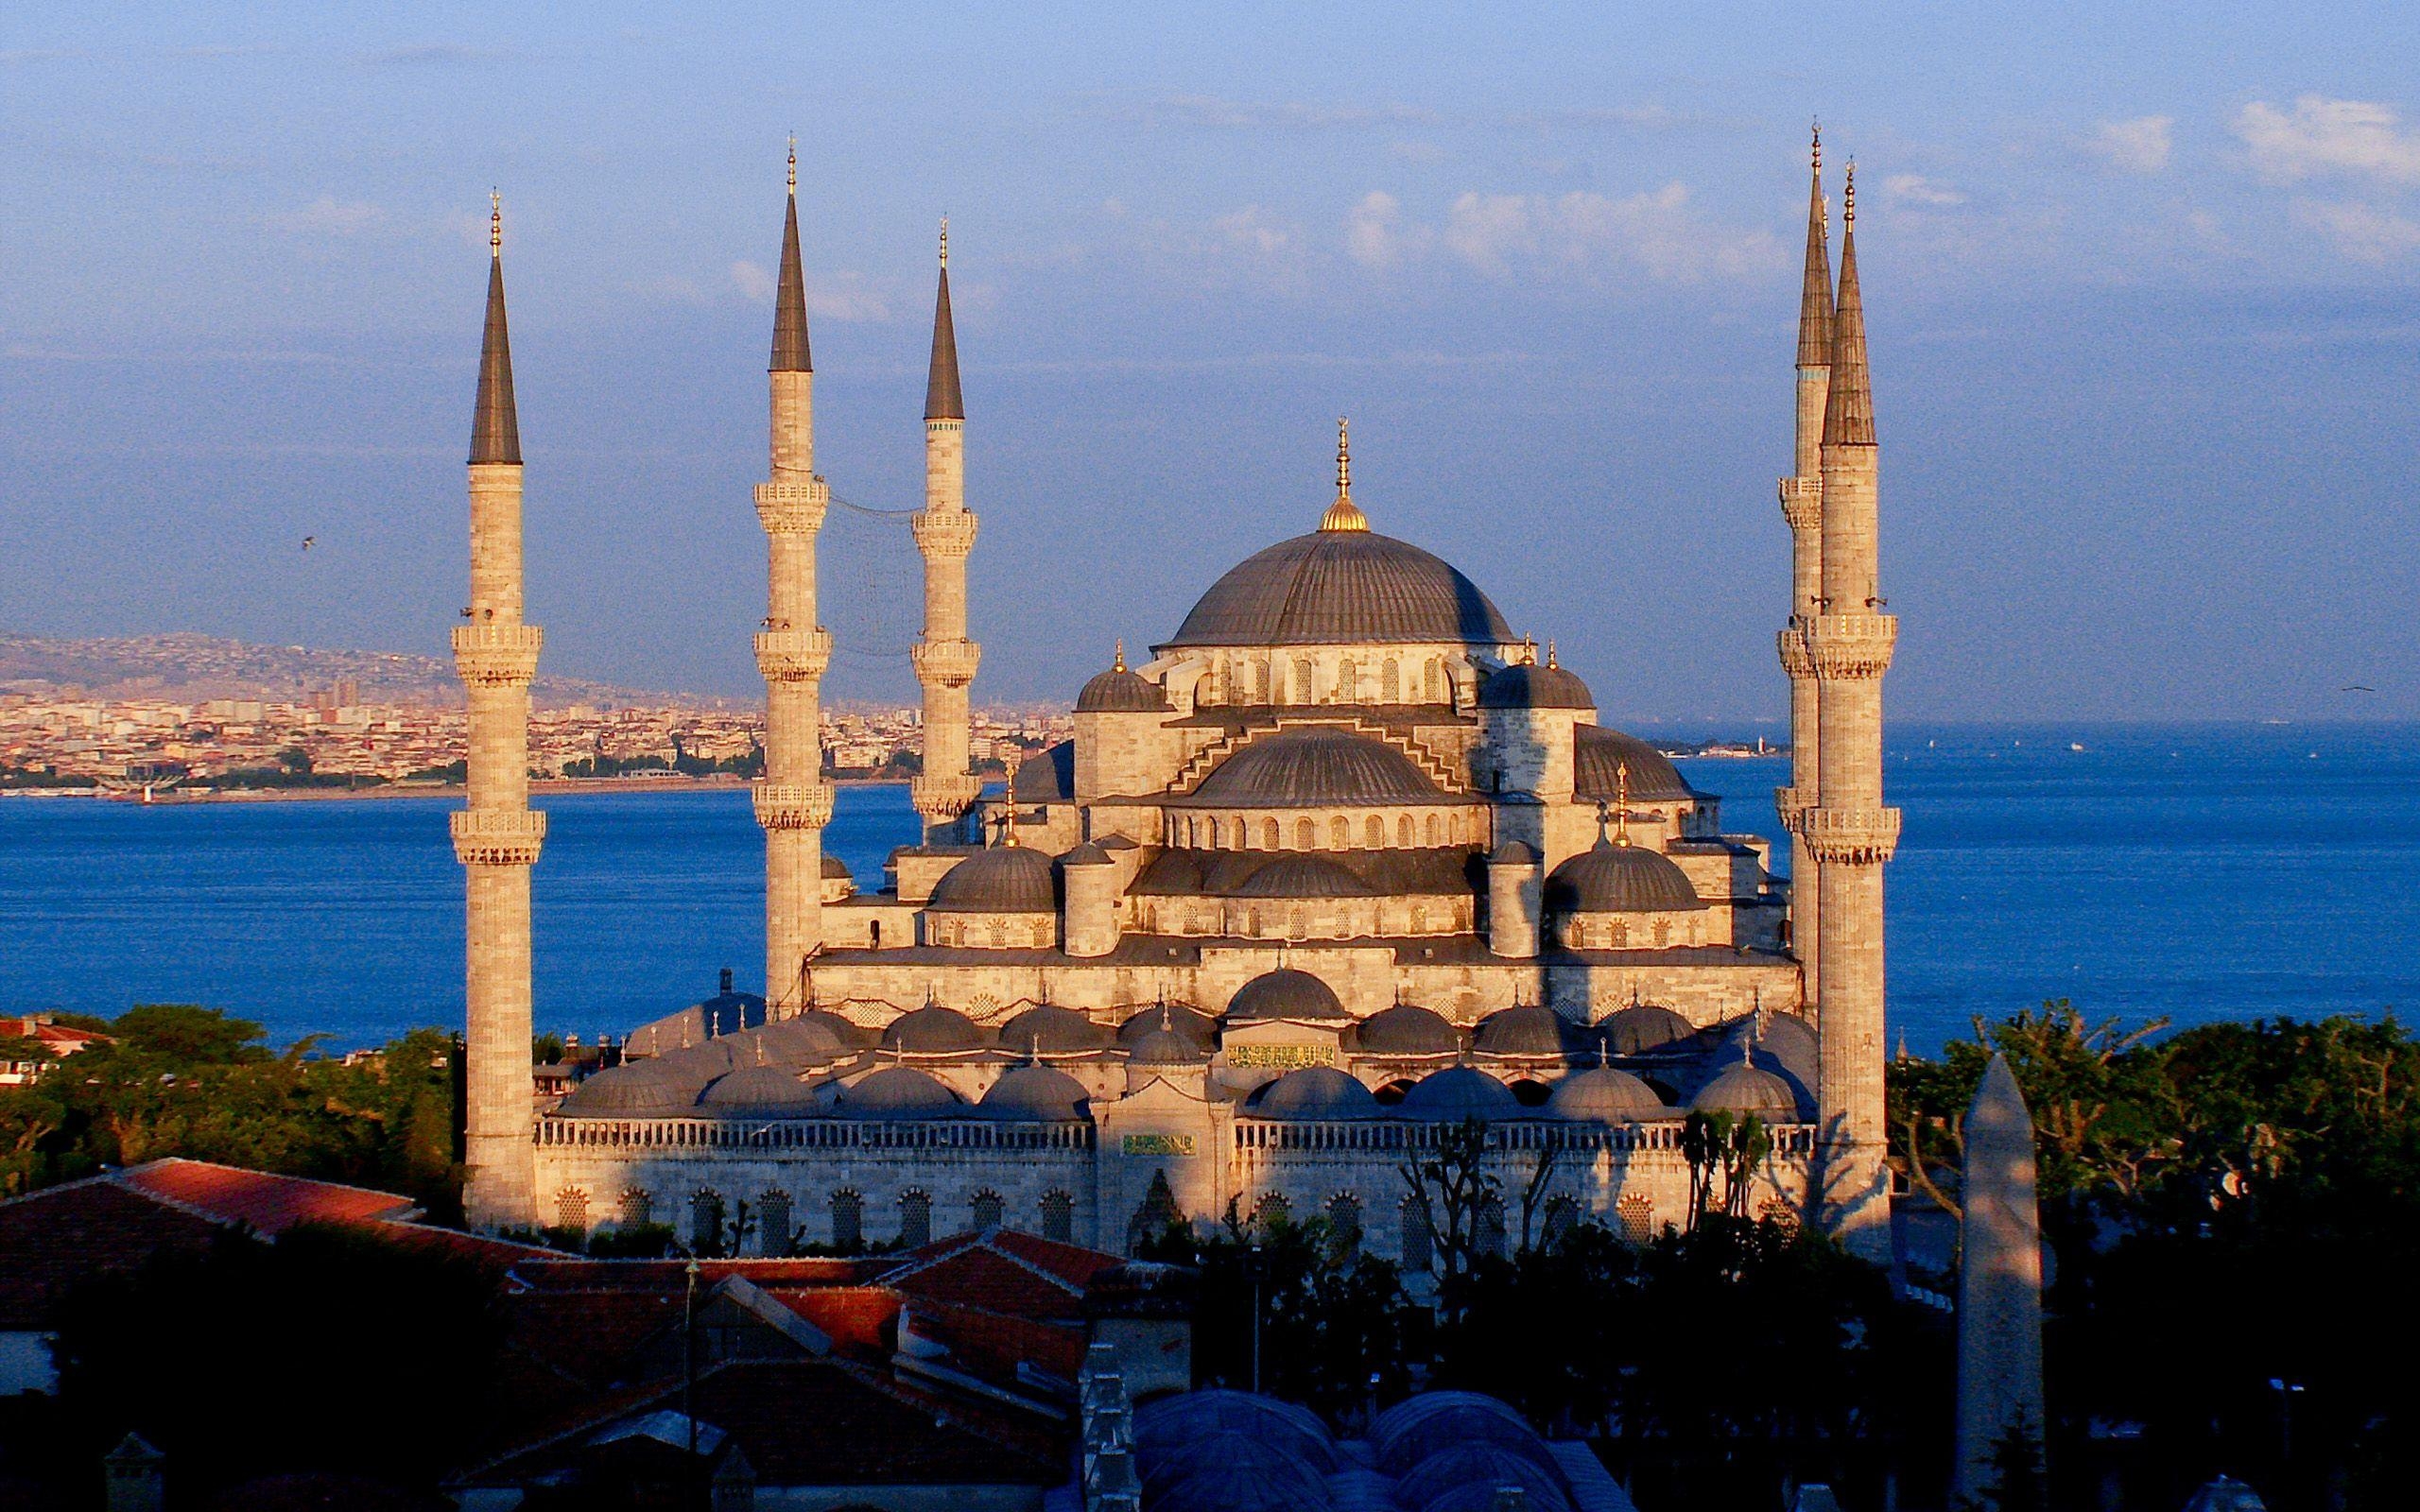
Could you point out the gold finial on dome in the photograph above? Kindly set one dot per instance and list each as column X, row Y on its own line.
column 1622, row 803
column 793, row 164
column 1118, row 662
column 1343, row 514
column 1528, row 650
column 944, row 241
column 1551, row 663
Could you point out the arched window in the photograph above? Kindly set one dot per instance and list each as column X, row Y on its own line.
column 1339, row 833
column 848, row 1222
column 774, row 1232
column 1214, row 833
column 1403, row 832
column 1390, row 681
column 1432, row 830
column 1348, row 681
column 1260, row 681
column 1059, row 1217
column 915, row 1220
column 706, row 1222
column 1562, row 1216
column 1619, row 934
column 1271, row 1208
column 1419, row 919
column 1418, row 1249
column 638, row 1209
column 1638, row 1214
column 571, row 1210
column 1344, row 1216
column 1433, row 681
column 1238, row 836
column 1374, row 832
column 1487, row 1237
column 1302, row 680
column 1268, row 837
column 988, row 1209
column 1306, row 834
column 1663, row 933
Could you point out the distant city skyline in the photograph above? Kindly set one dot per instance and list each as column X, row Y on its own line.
column 2143, row 336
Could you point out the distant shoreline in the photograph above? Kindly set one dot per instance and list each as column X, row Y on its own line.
column 545, row 786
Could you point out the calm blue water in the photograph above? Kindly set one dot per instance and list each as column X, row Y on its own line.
column 2200, row 873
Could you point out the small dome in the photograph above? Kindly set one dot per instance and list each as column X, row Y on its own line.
column 1304, row 877
column 1532, row 1029
column 1744, row 1089
column 1534, row 687
column 1620, row 878
column 1605, row 1095
column 1120, row 692
column 766, row 1092
column 635, row 1088
column 836, row 870
column 898, row 1092
column 1005, row 879
column 1314, row 766
column 850, row 1034
column 1515, row 853
column 1407, row 1029
column 1791, row 1040
column 1037, row 1093
column 1087, row 854
column 1644, row 1027
column 933, row 1030
column 1458, row 1093
column 1469, row 1477
column 1165, row 1047
column 1191, row 1023
column 1315, row 1092
column 791, row 1043
column 1599, row 755
column 1285, row 993
column 1418, row 1426
column 1050, row 1030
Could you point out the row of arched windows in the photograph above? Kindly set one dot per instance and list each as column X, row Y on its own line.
column 1337, row 832
column 1298, row 681
column 770, row 1220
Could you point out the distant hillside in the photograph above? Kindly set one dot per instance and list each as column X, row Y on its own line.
column 185, row 668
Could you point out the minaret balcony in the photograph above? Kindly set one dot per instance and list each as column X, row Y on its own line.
column 1801, row 502
column 943, row 533
column 793, row 508
column 1796, row 659
column 945, row 663
column 1854, row 646
column 939, row 795
column 793, row 656
column 489, row 654
column 497, row 838
column 792, row 805
column 1793, row 807
column 1853, row 837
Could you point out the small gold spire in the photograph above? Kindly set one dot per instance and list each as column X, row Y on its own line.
column 1343, row 514
column 1119, row 664
column 1848, row 195
column 1819, row 142
column 793, row 164
column 1550, row 660
column 1528, row 650
column 1621, row 801
column 495, row 224
column 944, row 241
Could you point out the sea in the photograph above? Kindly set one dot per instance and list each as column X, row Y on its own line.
column 2185, row 873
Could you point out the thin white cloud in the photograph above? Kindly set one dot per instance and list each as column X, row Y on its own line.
column 1254, row 231
column 1211, row 111
column 1374, row 234
column 2142, row 144
column 2364, row 233
column 2328, row 138
column 848, row 298
column 754, row 281
column 329, row 216
column 1915, row 189
column 1658, row 233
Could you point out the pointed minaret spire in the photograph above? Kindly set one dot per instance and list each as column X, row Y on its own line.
column 495, row 428
column 790, row 349
column 1815, row 292
column 942, row 400
column 1848, row 408
column 1343, row 514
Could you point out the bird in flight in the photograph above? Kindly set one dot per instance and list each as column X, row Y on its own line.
column 309, row 542
column 2355, row 687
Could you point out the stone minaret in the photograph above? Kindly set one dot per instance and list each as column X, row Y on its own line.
column 792, row 802
column 1999, row 1284
column 1849, row 834
column 497, row 837
column 945, row 659
column 1802, row 506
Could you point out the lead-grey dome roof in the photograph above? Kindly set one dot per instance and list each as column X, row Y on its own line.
column 1532, row 1029
column 1191, row 1023
column 1528, row 686
column 1052, row 1030
column 933, row 1030
column 1304, row 877
column 1120, row 692
column 1315, row 1092
column 1604, row 1095
column 635, row 1088
column 1458, row 1092
column 1407, row 1029
column 1284, row 993
column 1620, row 878
column 1338, row 588
column 1644, row 1026
column 759, row 1091
column 1598, row 756
column 898, row 1092
column 1005, row 879
column 1744, row 1089
column 1314, row 766
column 1035, row 1093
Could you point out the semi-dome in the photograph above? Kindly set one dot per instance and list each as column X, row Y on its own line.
column 1407, row 1029
column 1743, row 1089
column 1051, row 1030
column 1314, row 766
column 1035, row 1093
column 1315, row 1092
column 1458, row 1093
column 1644, row 1027
column 635, row 1088
column 1304, row 877
column 1342, row 588
column 1605, row 1095
column 898, row 1092
column 1600, row 754
column 1190, row 1022
column 1525, row 685
column 1532, row 1029
column 759, row 1091
column 1608, row 877
column 1004, row 878
column 1118, row 690
column 933, row 1030
column 1285, row 993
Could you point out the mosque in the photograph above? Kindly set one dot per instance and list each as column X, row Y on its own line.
column 1343, row 864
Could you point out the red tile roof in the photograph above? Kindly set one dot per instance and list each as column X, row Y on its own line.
column 1002, row 1271
column 268, row 1205
column 66, row 1234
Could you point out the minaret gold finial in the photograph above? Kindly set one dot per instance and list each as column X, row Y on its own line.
column 1621, row 801
column 1119, row 663
column 1343, row 514
column 944, row 241
column 1528, row 650
column 1819, row 142
column 1550, row 660
column 793, row 164
column 1848, row 195
column 495, row 223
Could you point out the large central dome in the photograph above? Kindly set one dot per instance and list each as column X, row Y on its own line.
column 1341, row 586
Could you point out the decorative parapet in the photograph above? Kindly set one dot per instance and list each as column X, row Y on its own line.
column 792, row 805
column 1801, row 502
column 1852, row 645
column 793, row 508
column 1796, row 659
column 497, row 838
column 793, row 656
column 945, row 663
column 554, row 1131
column 944, row 532
column 1792, row 807
column 939, row 795
column 1857, row 837
column 490, row 655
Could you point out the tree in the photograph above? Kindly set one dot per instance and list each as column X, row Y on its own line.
column 1728, row 1145
column 1450, row 1184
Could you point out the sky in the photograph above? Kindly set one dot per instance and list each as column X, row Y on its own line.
column 2141, row 286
